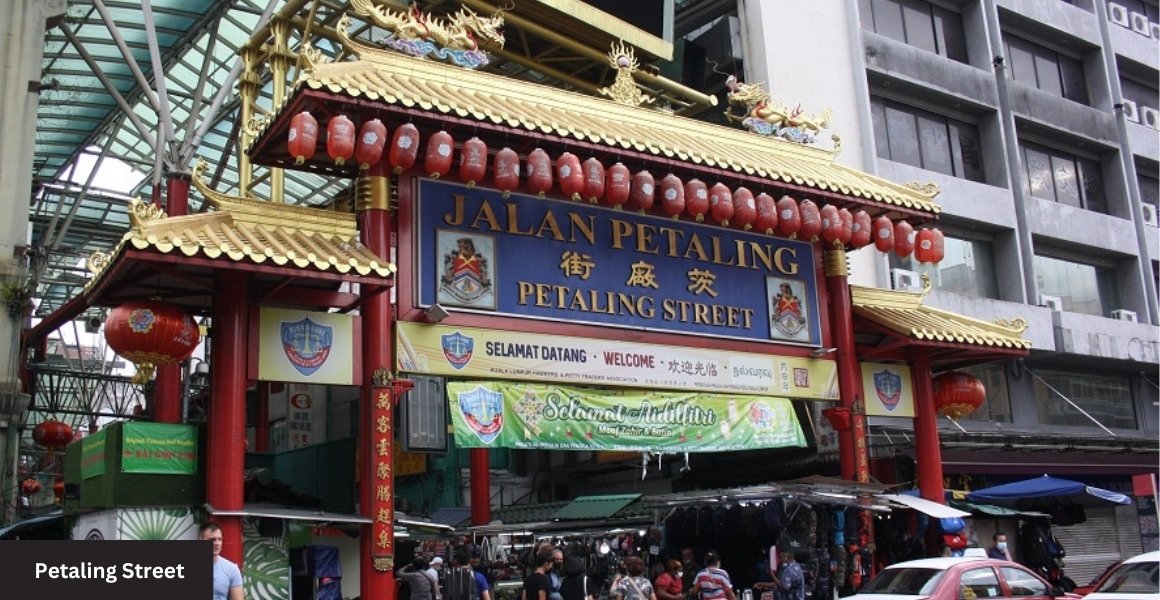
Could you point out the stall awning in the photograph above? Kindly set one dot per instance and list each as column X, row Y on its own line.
column 294, row 514
column 594, row 507
column 922, row 505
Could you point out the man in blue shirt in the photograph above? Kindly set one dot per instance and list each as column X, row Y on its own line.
column 227, row 577
column 791, row 580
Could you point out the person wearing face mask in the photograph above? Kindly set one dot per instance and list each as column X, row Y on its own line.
column 555, row 576
column 999, row 550
column 668, row 585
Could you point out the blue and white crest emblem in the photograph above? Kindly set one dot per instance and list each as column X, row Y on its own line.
column 457, row 349
column 307, row 344
column 483, row 412
column 888, row 386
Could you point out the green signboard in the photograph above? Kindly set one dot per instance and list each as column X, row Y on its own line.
column 160, row 448
column 533, row 415
column 93, row 455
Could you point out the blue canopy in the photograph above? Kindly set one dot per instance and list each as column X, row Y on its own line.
column 1046, row 489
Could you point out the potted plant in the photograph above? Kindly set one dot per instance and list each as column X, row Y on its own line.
column 17, row 299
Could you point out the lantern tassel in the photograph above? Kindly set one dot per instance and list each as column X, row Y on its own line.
column 144, row 373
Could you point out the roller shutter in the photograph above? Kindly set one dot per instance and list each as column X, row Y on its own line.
column 1109, row 534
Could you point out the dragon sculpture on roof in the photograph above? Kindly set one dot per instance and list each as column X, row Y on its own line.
column 764, row 116
column 456, row 38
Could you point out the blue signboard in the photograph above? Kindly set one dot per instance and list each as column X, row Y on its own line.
column 568, row 261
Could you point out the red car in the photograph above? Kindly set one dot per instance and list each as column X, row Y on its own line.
column 958, row 578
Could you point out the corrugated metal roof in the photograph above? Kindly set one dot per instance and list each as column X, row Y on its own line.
column 594, row 507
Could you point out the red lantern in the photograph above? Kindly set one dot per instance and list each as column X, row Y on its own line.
column 593, row 180
column 903, row 239
column 58, row 490
column 831, row 224
column 744, row 209
column 30, row 487
column 617, row 183
column 847, row 220
column 958, row 394
column 437, row 161
column 404, row 148
column 860, row 230
column 643, row 192
column 507, row 171
column 839, row 417
column 811, row 219
column 766, row 221
column 473, row 161
column 672, row 196
column 52, row 434
column 302, row 140
column 539, row 172
column 696, row 199
column 928, row 246
column 789, row 217
column 371, row 139
column 151, row 333
column 883, row 234
column 721, row 203
column 340, row 139
column 570, row 174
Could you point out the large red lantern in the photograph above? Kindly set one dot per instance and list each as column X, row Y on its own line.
column 570, row 174
column 437, row 160
column 721, row 203
column 929, row 246
column 593, row 180
column 473, row 161
column 860, row 230
column 404, row 147
column 618, row 185
column 539, row 172
column 767, row 217
column 696, row 199
column 883, row 234
column 744, row 209
column 789, row 217
column 958, row 394
column 672, row 196
column 811, row 219
column 30, row 487
column 340, row 139
column 371, row 139
column 831, row 224
column 52, row 434
column 903, row 239
column 507, row 171
column 643, row 192
column 847, row 220
column 302, row 140
column 151, row 333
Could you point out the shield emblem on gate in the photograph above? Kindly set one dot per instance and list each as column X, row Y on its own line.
column 307, row 344
column 888, row 386
column 483, row 411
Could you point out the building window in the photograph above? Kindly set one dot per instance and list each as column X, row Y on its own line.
column 967, row 268
column 1082, row 288
column 1107, row 399
column 1149, row 189
column 1048, row 70
column 998, row 404
column 917, row 23
column 924, row 139
column 1140, row 6
column 1143, row 95
column 1065, row 178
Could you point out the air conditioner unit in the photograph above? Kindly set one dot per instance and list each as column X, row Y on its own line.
column 1131, row 113
column 1149, row 213
column 1118, row 15
column 1150, row 117
column 1055, row 303
column 905, row 280
column 92, row 324
column 1140, row 24
column 1155, row 27
column 1123, row 314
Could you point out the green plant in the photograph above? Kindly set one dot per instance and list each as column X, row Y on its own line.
column 17, row 298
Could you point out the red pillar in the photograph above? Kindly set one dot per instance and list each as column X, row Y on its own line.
column 480, row 486
column 167, row 387
column 926, row 447
column 227, row 410
column 851, row 442
column 376, row 489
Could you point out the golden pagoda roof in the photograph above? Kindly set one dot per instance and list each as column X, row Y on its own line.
column 393, row 78
column 905, row 313
column 254, row 231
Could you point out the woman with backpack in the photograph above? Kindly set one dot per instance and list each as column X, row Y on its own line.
column 634, row 585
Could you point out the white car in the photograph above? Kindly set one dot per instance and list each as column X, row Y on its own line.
column 1137, row 578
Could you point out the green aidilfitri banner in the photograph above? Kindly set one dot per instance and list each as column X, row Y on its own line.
column 499, row 414
column 160, row 448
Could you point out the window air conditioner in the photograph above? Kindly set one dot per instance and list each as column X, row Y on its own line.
column 1150, row 117
column 1131, row 113
column 1125, row 315
column 1149, row 213
column 905, row 280
column 1118, row 15
column 1140, row 24
column 1055, row 303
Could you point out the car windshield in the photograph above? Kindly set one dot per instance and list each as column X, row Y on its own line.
column 904, row 581
column 1133, row 578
